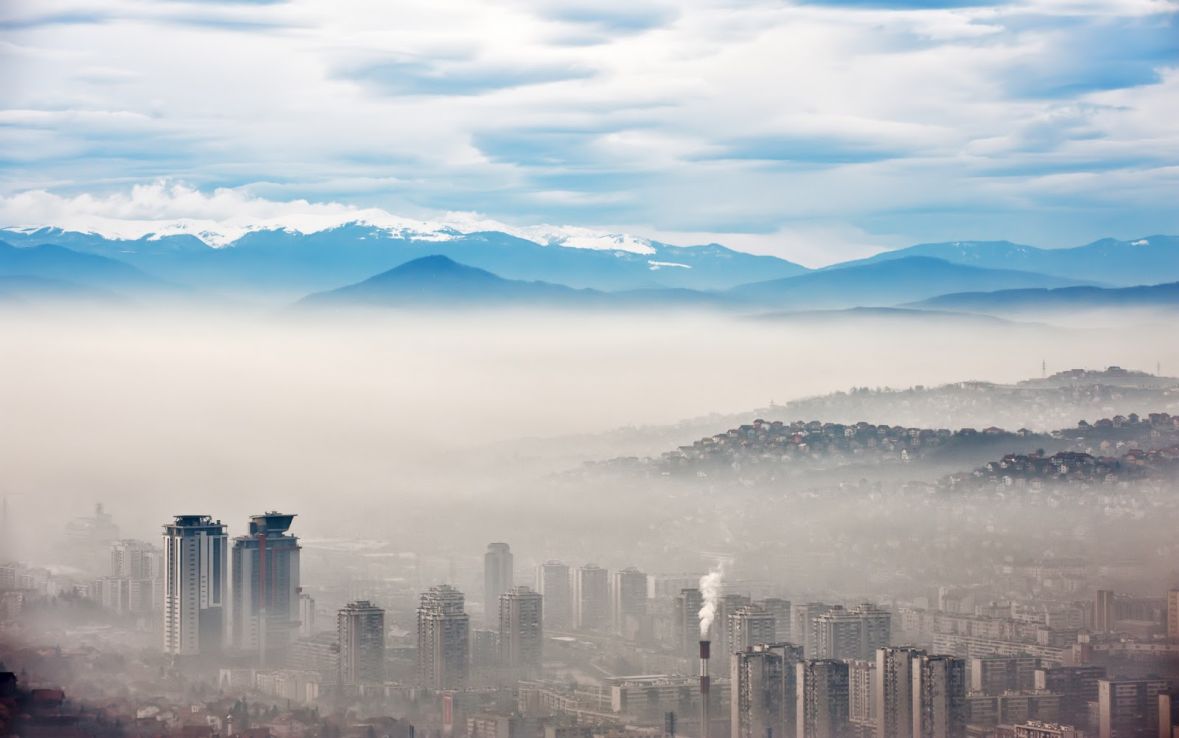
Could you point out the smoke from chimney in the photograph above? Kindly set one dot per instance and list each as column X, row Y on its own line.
column 710, row 589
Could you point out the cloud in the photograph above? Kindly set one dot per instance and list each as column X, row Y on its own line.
column 703, row 116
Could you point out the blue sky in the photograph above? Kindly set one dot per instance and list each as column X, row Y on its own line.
column 816, row 130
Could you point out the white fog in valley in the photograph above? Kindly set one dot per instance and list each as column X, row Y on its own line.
column 368, row 423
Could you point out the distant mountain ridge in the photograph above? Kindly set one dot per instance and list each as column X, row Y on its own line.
column 1151, row 296
column 1147, row 260
column 296, row 263
column 886, row 283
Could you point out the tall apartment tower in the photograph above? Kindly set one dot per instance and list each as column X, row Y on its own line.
column 521, row 630
column 196, row 585
column 131, row 559
column 780, row 609
column 552, row 581
column 822, row 699
column 1104, row 612
column 862, row 693
column 499, row 575
column 591, row 598
column 1173, row 614
column 802, row 624
column 1129, row 708
column 360, row 628
column 749, row 626
column 939, row 697
column 687, row 622
column 443, row 638
column 852, row 634
column 894, row 691
column 628, row 601
column 762, row 699
column 264, row 617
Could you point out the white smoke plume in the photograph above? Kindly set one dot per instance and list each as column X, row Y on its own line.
column 710, row 588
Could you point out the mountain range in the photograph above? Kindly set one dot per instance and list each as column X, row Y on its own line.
column 364, row 264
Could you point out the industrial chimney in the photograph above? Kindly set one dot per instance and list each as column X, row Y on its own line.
column 705, row 712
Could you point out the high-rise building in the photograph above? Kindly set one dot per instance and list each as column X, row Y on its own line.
column 749, row 626
column 196, row 585
column 591, row 598
column 852, row 634
column 521, row 630
column 360, row 630
column 939, row 697
column 443, row 637
column 306, row 615
column 994, row 675
column 499, row 575
column 822, row 699
column 762, row 699
column 687, row 622
column 1077, row 687
column 552, row 581
column 727, row 605
column 1173, row 614
column 1169, row 714
column 861, row 702
column 1104, row 611
column 628, row 601
column 1128, row 708
column 780, row 609
column 264, row 617
column 131, row 559
column 802, row 624
column 894, row 691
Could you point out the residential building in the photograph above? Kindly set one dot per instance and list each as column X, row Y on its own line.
column 552, row 581
column 749, row 626
column 521, row 630
column 360, row 633
column 939, row 697
column 821, row 692
column 1128, row 708
column 894, row 691
column 196, row 585
column 443, row 639
column 762, row 700
column 499, row 575
column 264, row 617
column 591, row 598
column 628, row 602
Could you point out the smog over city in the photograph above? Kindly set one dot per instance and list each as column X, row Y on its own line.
column 589, row 369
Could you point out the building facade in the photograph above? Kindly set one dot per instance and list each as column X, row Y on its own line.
column 196, row 585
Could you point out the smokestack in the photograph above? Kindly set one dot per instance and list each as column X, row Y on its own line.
column 705, row 712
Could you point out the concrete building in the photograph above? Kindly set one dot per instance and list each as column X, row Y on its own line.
column 1169, row 714
column 196, row 585
column 307, row 626
column 894, row 691
column 989, row 710
column 852, row 634
column 499, row 575
column 628, row 602
column 552, row 581
column 1128, row 708
column 264, row 616
column 780, row 609
column 687, row 622
column 521, row 630
column 591, row 598
column 1041, row 729
column 443, row 639
column 821, row 707
column 998, row 674
column 1077, row 687
column 1173, row 614
column 763, row 693
column 861, row 703
column 1104, row 611
column 802, row 625
column 747, row 627
column 132, row 559
column 360, row 633
column 939, row 697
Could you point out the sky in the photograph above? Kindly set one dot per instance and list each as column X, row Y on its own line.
column 818, row 130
